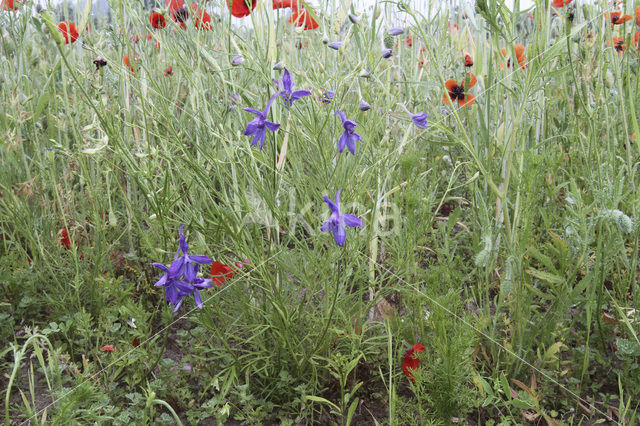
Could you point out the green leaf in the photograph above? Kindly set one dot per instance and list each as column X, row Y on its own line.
column 322, row 400
column 352, row 410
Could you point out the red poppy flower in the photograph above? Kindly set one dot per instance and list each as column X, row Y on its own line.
column 636, row 39
column 9, row 5
column 638, row 15
column 456, row 91
column 157, row 20
column 127, row 63
column 168, row 72
column 421, row 62
column 409, row 41
column 468, row 62
column 64, row 239
column 69, row 31
column 220, row 273
column 135, row 342
column 240, row 8
column 618, row 44
column 561, row 3
column 173, row 6
column 519, row 48
column 202, row 20
column 411, row 362
column 302, row 18
column 617, row 18
column 107, row 348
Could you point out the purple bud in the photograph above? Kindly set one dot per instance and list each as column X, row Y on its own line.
column 396, row 31
column 335, row 45
column 237, row 60
column 364, row 105
column 386, row 53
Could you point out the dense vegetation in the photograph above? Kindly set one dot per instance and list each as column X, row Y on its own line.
column 480, row 266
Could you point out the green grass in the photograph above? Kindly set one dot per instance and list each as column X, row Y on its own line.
column 503, row 237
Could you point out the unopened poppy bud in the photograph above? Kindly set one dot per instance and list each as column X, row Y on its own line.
column 325, row 39
column 608, row 79
column 279, row 66
column 237, row 60
column 353, row 18
column 364, row 73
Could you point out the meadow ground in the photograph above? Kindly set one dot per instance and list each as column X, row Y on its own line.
column 400, row 218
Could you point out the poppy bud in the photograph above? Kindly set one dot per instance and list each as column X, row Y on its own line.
column 325, row 39
column 377, row 12
column 237, row 60
column 608, row 79
column 279, row 66
column 364, row 105
column 353, row 18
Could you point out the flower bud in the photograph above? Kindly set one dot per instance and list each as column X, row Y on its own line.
column 279, row 66
column 608, row 79
column 325, row 39
column 364, row 73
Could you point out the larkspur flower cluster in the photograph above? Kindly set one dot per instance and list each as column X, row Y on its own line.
column 181, row 279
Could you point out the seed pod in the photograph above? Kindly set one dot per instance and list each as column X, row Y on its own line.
column 388, row 41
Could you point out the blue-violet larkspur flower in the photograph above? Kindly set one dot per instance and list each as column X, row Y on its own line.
column 419, row 119
column 180, row 279
column 259, row 125
column 288, row 94
column 336, row 223
column 349, row 136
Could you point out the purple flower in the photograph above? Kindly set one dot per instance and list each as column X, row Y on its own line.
column 259, row 125
column 336, row 45
column 180, row 279
column 386, row 53
column 288, row 94
column 337, row 221
column 349, row 136
column 364, row 105
column 419, row 119
column 237, row 60
column 396, row 31
column 327, row 96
